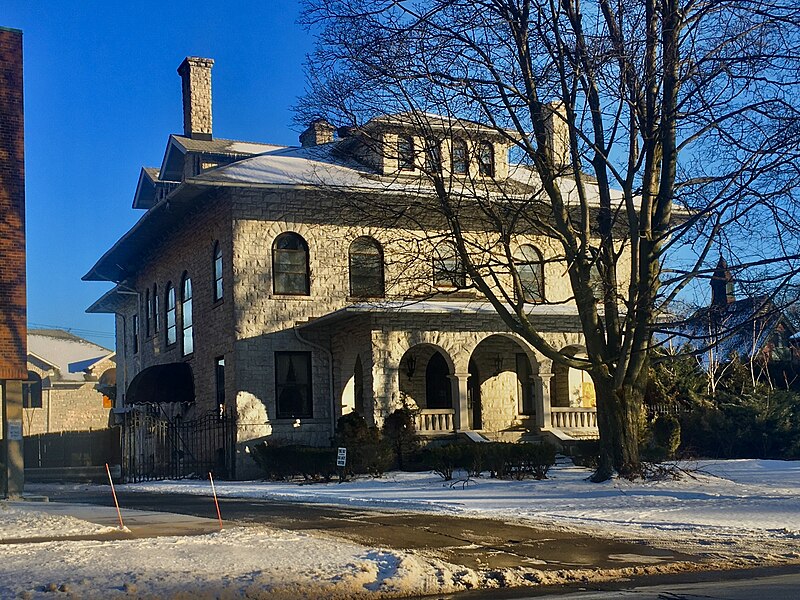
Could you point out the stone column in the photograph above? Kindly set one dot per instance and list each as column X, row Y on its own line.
column 12, row 437
column 543, row 400
column 459, row 383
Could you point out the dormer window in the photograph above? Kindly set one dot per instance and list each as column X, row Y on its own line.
column 486, row 159
column 459, row 157
column 405, row 153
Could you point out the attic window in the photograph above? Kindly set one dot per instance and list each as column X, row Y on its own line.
column 405, row 153
column 486, row 159
column 208, row 164
column 459, row 157
column 433, row 156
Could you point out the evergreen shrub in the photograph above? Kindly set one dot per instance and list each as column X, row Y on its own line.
column 366, row 451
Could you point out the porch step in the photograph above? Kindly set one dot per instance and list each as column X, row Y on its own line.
column 474, row 436
column 512, row 436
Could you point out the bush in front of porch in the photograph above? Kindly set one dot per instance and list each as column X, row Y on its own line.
column 499, row 459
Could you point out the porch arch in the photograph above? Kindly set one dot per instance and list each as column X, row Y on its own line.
column 572, row 387
column 501, row 388
column 428, row 383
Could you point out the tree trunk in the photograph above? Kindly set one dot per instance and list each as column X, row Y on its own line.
column 619, row 422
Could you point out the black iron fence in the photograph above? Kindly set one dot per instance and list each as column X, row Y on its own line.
column 156, row 446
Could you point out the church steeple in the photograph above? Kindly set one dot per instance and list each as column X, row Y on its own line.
column 722, row 285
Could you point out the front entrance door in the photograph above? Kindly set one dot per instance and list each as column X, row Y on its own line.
column 474, row 396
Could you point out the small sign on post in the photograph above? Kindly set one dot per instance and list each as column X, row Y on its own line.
column 15, row 429
column 341, row 457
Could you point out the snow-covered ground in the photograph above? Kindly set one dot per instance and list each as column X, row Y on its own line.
column 729, row 511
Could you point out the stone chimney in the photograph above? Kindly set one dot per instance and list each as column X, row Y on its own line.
column 318, row 132
column 195, row 75
column 557, row 133
column 722, row 285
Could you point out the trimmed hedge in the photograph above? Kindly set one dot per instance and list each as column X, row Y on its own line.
column 286, row 462
column 500, row 459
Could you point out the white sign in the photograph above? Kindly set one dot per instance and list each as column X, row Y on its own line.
column 15, row 429
column 341, row 457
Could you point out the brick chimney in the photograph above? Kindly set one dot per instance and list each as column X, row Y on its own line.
column 557, row 132
column 13, row 330
column 195, row 75
column 318, row 132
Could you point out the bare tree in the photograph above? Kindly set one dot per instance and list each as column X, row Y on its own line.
column 653, row 132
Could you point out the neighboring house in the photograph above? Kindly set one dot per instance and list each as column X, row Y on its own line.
column 245, row 288
column 753, row 329
column 66, row 379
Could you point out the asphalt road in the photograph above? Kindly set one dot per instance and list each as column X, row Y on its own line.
column 471, row 542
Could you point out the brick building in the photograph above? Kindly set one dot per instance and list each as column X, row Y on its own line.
column 252, row 277
column 12, row 255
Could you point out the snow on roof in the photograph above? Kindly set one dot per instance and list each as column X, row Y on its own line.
column 295, row 166
column 321, row 165
column 222, row 146
column 70, row 353
column 440, row 307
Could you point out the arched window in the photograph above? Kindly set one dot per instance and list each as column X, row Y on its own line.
column 366, row 268
column 486, row 159
column 448, row 270
column 530, row 267
column 290, row 265
column 217, row 272
column 186, row 315
column 459, row 157
column 32, row 391
column 405, row 153
column 169, row 308
column 156, row 310
column 148, row 312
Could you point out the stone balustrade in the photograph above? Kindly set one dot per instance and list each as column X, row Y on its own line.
column 435, row 421
column 573, row 417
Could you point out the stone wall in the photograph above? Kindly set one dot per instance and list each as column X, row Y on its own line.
column 252, row 322
column 189, row 249
column 67, row 407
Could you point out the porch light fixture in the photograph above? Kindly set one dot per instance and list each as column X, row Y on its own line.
column 411, row 366
column 498, row 364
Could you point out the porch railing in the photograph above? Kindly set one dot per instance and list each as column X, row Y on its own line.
column 434, row 421
column 573, row 417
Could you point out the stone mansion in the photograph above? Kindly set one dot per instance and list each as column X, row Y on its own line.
column 251, row 285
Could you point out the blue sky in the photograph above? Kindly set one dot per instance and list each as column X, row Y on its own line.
column 101, row 96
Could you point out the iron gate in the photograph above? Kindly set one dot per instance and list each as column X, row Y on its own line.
column 155, row 446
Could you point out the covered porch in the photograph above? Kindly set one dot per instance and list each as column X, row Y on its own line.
column 457, row 369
